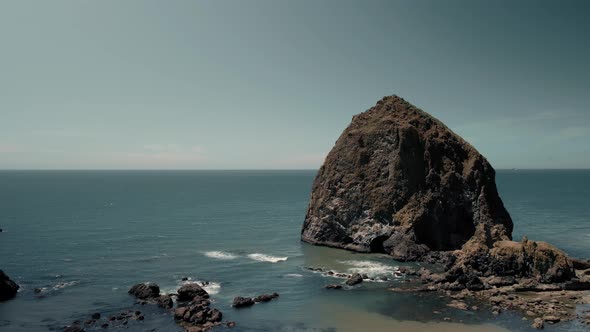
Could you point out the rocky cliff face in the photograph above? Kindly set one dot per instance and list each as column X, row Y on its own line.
column 398, row 181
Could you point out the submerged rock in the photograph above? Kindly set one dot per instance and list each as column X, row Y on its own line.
column 266, row 297
column 400, row 182
column 241, row 302
column 333, row 286
column 8, row 288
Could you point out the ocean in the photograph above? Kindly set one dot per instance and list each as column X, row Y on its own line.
column 85, row 237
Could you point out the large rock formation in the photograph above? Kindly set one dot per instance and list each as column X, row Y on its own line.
column 398, row 181
column 8, row 288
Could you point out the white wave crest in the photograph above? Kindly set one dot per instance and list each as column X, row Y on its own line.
column 267, row 258
column 371, row 268
column 210, row 287
column 220, row 255
column 63, row 285
column 294, row 275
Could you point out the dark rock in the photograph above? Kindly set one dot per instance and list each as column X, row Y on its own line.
column 576, row 284
column 145, row 291
column 8, row 288
column 74, row 328
column 266, row 297
column 190, row 291
column 354, row 279
column 165, row 301
column 579, row 264
column 179, row 312
column 104, row 326
column 474, row 284
column 407, row 270
column 333, row 286
column 215, row 315
column 95, row 315
column 184, row 278
column 241, row 302
column 231, row 324
column 398, row 181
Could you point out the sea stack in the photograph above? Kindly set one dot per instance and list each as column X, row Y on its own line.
column 398, row 181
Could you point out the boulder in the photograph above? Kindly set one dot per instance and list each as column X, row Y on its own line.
column 266, row 297
column 333, row 286
column 74, row 328
column 190, row 291
column 400, row 182
column 538, row 260
column 8, row 288
column 354, row 279
column 145, row 291
column 165, row 301
column 241, row 302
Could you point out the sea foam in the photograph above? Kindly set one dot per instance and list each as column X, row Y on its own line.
column 371, row 268
column 220, row 255
column 294, row 275
column 210, row 287
column 266, row 258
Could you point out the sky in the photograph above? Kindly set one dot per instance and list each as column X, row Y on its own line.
column 271, row 84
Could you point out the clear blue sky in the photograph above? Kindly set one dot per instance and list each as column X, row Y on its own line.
column 271, row 84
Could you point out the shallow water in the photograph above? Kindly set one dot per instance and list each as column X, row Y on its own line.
column 85, row 237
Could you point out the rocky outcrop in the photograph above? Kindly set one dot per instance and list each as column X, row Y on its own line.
column 8, row 288
column 242, row 302
column 193, row 312
column 189, row 291
column 354, row 279
column 145, row 291
column 400, row 182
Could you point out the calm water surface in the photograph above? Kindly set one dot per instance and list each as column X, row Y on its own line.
column 85, row 237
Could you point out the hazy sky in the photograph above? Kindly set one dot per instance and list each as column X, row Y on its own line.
column 272, row 84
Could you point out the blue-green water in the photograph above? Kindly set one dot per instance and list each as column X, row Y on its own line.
column 85, row 237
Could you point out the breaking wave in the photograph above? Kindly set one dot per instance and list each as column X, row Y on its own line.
column 220, row 255
column 267, row 258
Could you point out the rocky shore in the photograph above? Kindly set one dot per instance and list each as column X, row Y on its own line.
column 399, row 182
